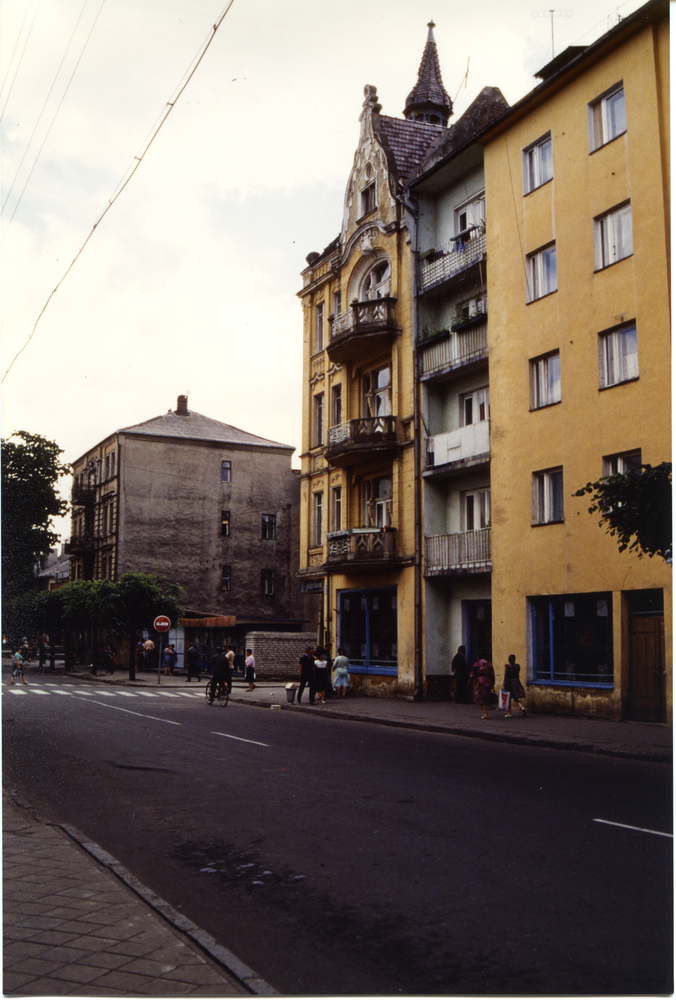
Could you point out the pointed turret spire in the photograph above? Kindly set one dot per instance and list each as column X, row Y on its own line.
column 428, row 101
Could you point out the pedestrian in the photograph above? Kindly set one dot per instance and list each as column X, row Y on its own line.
column 109, row 658
column 306, row 666
column 513, row 684
column 321, row 674
column 193, row 658
column 230, row 657
column 18, row 667
column 140, row 655
column 250, row 670
column 221, row 672
column 460, row 671
column 169, row 660
column 483, row 676
column 341, row 679
column 149, row 648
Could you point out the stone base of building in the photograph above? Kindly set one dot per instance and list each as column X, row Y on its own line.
column 573, row 701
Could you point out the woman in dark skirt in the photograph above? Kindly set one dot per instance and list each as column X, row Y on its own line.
column 512, row 684
column 484, row 679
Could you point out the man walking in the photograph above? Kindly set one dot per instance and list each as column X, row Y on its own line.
column 306, row 665
column 461, row 673
column 193, row 658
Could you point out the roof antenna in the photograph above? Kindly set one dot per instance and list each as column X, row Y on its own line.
column 552, row 14
column 464, row 80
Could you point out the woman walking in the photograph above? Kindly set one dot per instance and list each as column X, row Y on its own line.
column 513, row 684
column 483, row 676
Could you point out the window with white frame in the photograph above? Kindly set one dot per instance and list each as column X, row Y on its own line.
column 607, row 117
column 337, row 302
column 618, row 356
column 368, row 198
column 548, row 496
column 337, row 508
column 226, row 472
column 377, row 388
column 538, row 164
column 336, row 404
column 318, row 420
column 377, row 498
column 621, row 464
column 545, row 380
column 474, row 407
column 317, row 533
column 471, row 213
column 476, row 306
column 541, row 272
column 376, row 284
column 476, row 509
column 613, row 236
column 319, row 327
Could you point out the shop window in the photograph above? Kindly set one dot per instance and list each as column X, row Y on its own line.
column 572, row 639
column 367, row 627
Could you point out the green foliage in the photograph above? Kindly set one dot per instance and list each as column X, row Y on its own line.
column 635, row 508
column 30, row 471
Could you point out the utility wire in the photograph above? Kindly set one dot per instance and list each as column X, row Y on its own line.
column 22, row 51
column 138, row 160
column 43, row 110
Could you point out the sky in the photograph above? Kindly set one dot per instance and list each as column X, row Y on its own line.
column 187, row 285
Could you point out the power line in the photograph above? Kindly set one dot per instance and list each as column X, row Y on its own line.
column 22, row 51
column 132, row 170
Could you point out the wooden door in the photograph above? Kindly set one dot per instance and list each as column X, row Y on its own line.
column 647, row 680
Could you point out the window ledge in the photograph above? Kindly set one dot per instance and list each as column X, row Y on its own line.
column 371, row 211
column 529, row 302
column 604, row 144
column 541, row 682
column 544, row 184
column 597, row 270
column 545, row 406
column 614, row 385
column 545, row 524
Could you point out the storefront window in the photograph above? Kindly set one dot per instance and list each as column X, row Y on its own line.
column 572, row 639
column 368, row 630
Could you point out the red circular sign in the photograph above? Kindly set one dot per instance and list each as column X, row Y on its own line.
column 161, row 624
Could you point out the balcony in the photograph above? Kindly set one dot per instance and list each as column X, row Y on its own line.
column 361, row 548
column 365, row 436
column 81, row 495
column 463, row 552
column 371, row 323
column 79, row 545
column 453, row 351
column 444, row 264
column 458, row 450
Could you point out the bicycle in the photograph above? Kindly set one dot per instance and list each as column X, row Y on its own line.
column 222, row 694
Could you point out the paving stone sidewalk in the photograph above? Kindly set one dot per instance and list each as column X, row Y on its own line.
column 73, row 928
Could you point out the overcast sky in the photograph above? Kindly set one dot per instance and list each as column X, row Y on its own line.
column 188, row 285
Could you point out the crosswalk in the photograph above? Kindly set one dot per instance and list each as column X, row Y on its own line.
column 27, row 690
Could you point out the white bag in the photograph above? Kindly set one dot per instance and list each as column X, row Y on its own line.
column 503, row 701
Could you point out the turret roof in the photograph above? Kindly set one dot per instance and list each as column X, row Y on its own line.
column 429, row 90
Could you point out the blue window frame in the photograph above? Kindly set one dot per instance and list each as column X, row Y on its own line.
column 572, row 639
column 367, row 627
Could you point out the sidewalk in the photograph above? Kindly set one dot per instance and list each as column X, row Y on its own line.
column 638, row 740
column 79, row 924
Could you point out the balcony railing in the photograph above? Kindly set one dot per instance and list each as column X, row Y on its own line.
column 79, row 543
column 367, row 431
column 465, row 551
column 457, row 349
column 373, row 320
column 459, row 253
column 81, row 495
column 456, row 446
column 365, row 545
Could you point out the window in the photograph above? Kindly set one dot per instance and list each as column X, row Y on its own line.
column 541, row 273
column 474, row 407
column 368, row 199
column 607, row 117
column 545, row 380
column 225, row 523
column 319, row 327
column 268, row 582
column 618, row 356
column 377, row 282
column 471, row 213
column 538, row 167
column 572, row 639
column 268, row 526
column 627, row 461
column 337, row 508
column 367, row 629
column 548, row 496
column 107, row 476
column 337, row 303
column 226, row 470
column 377, row 496
column 317, row 519
column 112, row 463
column 376, row 388
column 226, row 577
column 475, row 306
column 477, row 509
column 336, row 405
column 318, row 421
column 613, row 237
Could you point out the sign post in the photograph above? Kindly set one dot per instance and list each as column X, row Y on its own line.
column 161, row 624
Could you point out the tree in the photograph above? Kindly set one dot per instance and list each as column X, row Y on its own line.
column 30, row 471
column 635, row 508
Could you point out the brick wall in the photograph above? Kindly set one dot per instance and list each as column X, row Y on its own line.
column 277, row 653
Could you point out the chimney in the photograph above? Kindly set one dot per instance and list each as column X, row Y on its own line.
column 182, row 406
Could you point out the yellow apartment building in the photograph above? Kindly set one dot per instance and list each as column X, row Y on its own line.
column 577, row 214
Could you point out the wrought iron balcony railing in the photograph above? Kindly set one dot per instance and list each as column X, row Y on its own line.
column 464, row 551
column 361, row 545
column 363, row 431
column 79, row 543
column 373, row 320
column 81, row 495
column 459, row 253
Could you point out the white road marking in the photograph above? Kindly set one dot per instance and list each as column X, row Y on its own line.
column 126, row 694
column 116, row 708
column 89, row 694
column 189, row 694
column 641, row 829
column 37, row 690
column 241, row 739
column 14, row 690
column 146, row 694
column 59, row 691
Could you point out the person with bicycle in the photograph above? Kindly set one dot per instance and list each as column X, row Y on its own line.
column 221, row 672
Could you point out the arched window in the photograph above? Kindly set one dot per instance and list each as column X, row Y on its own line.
column 376, row 284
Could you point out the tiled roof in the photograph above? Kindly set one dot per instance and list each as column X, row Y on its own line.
column 409, row 141
column 429, row 88
column 195, row 427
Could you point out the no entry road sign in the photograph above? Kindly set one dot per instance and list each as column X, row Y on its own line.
column 162, row 624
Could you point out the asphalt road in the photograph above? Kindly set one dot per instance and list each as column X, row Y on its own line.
column 340, row 858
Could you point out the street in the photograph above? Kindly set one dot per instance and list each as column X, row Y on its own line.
column 346, row 858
